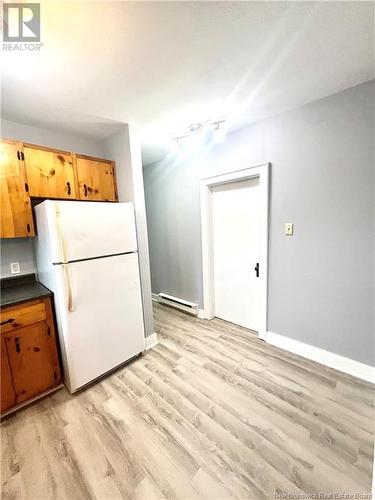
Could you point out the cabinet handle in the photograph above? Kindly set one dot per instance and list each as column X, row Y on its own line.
column 85, row 189
column 17, row 342
column 22, row 156
column 69, row 190
column 10, row 320
column 18, row 155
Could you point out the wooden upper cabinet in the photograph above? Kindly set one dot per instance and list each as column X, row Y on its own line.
column 50, row 173
column 16, row 213
column 27, row 170
column 96, row 179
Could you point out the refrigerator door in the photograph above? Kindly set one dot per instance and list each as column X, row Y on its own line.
column 88, row 230
column 99, row 315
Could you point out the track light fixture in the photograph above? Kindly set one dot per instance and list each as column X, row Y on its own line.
column 198, row 127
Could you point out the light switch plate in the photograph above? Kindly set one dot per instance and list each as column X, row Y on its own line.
column 15, row 268
column 289, row 228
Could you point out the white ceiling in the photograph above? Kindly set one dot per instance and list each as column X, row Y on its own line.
column 164, row 65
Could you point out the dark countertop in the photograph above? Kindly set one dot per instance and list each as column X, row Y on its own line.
column 21, row 289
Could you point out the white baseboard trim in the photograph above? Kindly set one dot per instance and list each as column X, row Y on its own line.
column 201, row 314
column 346, row 365
column 204, row 314
column 151, row 341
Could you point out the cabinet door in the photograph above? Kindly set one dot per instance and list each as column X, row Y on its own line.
column 8, row 398
column 96, row 179
column 33, row 360
column 50, row 174
column 16, row 213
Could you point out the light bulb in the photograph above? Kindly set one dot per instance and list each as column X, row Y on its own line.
column 219, row 133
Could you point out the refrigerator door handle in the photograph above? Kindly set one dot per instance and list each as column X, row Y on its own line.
column 69, row 288
column 61, row 236
column 63, row 245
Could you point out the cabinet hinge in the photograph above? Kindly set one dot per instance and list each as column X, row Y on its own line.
column 26, row 187
column 48, row 331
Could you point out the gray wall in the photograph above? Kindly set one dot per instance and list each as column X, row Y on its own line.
column 124, row 147
column 17, row 250
column 52, row 138
column 21, row 249
column 321, row 280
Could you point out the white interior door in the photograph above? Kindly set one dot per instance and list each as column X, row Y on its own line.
column 236, row 252
column 104, row 327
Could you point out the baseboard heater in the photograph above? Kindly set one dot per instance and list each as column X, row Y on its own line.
column 184, row 305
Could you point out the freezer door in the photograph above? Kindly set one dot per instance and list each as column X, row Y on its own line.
column 88, row 229
column 100, row 317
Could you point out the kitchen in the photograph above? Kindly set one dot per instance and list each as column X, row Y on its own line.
column 74, row 244
column 187, row 250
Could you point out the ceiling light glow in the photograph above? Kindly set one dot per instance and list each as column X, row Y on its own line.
column 219, row 132
column 197, row 131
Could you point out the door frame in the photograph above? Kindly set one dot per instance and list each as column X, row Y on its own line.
column 262, row 172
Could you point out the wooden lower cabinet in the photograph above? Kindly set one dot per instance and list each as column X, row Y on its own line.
column 8, row 398
column 33, row 361
column 29, row 356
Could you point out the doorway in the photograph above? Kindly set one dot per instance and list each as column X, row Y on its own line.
column 235, row 247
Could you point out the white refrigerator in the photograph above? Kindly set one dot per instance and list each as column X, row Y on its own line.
column 86, row 253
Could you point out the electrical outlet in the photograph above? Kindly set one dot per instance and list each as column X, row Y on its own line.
column 289, row 229
column 15, row 268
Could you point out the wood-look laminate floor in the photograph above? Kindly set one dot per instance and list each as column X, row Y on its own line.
column 211, row 412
